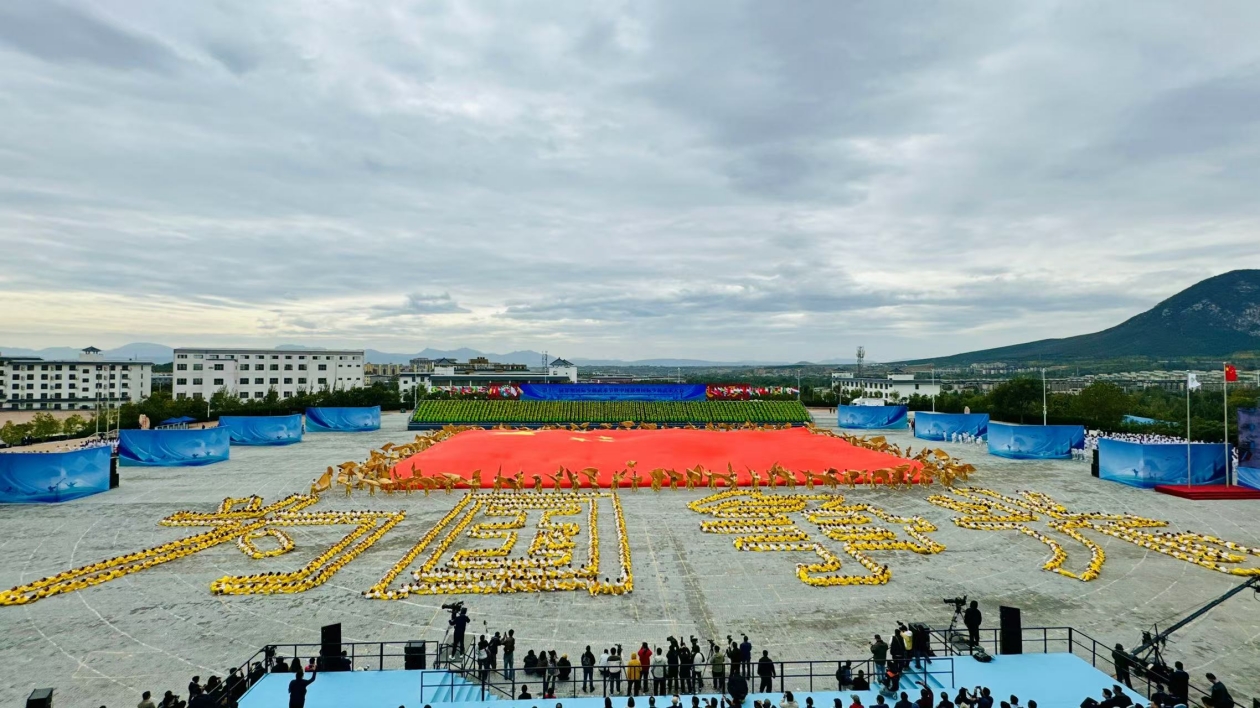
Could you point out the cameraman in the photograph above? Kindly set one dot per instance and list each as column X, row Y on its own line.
column 460, row 623
column 972, row 619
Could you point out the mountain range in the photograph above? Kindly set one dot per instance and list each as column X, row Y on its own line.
column 1216, row 317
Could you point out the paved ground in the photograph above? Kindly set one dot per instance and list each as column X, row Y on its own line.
column 154, row 629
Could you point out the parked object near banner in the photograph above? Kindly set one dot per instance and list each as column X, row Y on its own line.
column 1146, row 465
column 944, row 426
column 872, row 417
column 1035, row 442
column 343, row 420
column 173, row 447
column 263, row 429
column 49, row 477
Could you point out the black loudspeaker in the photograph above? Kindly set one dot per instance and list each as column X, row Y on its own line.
column 330, row 640
column 414, row 656
column 40, row 698
column 113, row 471
column 1093, row 467
column 1012, row 631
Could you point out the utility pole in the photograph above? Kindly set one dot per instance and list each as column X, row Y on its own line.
column 798, row 384
column 1043, row 396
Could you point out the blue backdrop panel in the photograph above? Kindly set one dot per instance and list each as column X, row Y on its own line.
column 172, row 447
column 613, row 392
column 263, row 429
column 943, row 426
column 1035, row 442
column 1248, row 472
column 27, row 477
column 345, row 420
column 871, row 417
column 1146, row 465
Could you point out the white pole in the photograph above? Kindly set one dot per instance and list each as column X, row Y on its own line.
column 1189, row 479
column 1225, row 396
column 1043, row 396
column 933, row 388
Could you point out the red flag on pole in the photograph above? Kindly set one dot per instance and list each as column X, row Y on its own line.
column 1231, row 373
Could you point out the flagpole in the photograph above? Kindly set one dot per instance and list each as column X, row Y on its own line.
column 1043, row 396
column 1225, row 396
column 1189, row 479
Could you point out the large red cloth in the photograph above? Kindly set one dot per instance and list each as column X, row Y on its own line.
column 545, row 451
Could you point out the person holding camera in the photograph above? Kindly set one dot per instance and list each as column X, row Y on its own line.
column 460, row 623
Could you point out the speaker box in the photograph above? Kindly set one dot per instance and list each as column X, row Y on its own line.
column 330, row 640
column 1011, row 633
column 40, row 698
column 113, row 471
column 1093, row 467
column 414, row 656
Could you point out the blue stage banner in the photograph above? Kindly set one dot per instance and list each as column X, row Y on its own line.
column 944, row 426
column 613, row 392
column 1248, row 472
column 871, row 417
column 343, row 420
column 173, row 447
column 1035, row 442
column 44, row 477
column 263, row 429
column 1146, row 465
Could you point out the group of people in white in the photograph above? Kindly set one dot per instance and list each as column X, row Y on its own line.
column 966, row 438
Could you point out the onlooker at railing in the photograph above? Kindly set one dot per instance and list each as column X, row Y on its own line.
column 766, row 672
column 1179, row 684
column 860, row 682
column 524, row 695
column 1159, row 699
column 660, row 673
column 717, row 668
column 588, row 669
column 879, row 654
column 634, row 673
column 530, row 663
column 614, row 671
column 509, row 655
column 1219, row 697
column 844, row 675
column 745, row 655
column 1121, row 661
column 564, row 668
column 971, row 620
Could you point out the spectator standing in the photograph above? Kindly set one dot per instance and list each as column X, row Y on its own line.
column 879, row 654
column 844, row 675
column 460, row 623
column 645, row 661
column 745, row 655
column 766, row 672
column 297, row 688
column 588, row 669
column 1179, row 684
column 659, row 674
column 634, row 674
column 686, row 670
column 717, row 669
column 971, row 620
column 509, row 655
column 614, row 671
column 1121, row 661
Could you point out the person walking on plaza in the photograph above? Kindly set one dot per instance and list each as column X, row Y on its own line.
column 509, row 655
column 588, row 669
column 879, row 655
column 297, row 688
column 1121, row 661
column 972, row 619
column 765, row 671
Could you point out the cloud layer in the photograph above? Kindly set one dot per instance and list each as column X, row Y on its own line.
column 717, row 180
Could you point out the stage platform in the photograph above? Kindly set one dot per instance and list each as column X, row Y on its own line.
column 1050, row 679
column 543, row 452
column 1204, row 492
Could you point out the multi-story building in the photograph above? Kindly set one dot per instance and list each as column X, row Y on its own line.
column 28, row 383
column 448, row 374
column 895, row 388
column 251, row 373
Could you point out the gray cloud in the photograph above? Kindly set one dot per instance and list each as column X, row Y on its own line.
column 716, row 180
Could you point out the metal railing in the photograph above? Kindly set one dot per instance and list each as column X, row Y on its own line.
column 1046, row 640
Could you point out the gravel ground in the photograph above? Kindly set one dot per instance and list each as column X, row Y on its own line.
column 154, row 629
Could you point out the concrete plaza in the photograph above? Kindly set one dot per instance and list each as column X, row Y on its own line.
column 155, row 629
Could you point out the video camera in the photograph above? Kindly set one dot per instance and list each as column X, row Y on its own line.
column 958, row 602
column 454, row 607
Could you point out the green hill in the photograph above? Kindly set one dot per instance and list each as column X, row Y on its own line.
column 1217, row 317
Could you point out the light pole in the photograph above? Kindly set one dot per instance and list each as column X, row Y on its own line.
column 1043, row 396
column 798, row 384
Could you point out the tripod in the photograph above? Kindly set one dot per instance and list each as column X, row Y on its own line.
column 952, row 636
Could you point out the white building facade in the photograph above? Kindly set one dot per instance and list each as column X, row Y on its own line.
column 79, row 384
column 252, row 373
column 896, row 387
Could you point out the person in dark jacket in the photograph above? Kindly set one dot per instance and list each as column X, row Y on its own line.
column 1121, row 661
column 972, row 619
column 1219, row 697
column 530, row 663
column 765, row 671
column 1179, row 684
column 588, row 669
column 745, row 655
column 737, row 687
column 297, row 688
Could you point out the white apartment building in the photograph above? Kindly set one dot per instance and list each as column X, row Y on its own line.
column 894, row 388
column 251, row 373
column 28, row 383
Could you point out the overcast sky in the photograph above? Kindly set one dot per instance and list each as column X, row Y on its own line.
column 718, row 180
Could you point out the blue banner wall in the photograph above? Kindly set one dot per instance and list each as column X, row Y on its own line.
column 871, row 417
column 943, row 426
column 43, row 477
column 263, row 429
column 172, row 447
column 1248, row 472
column 353, row 420
column 613, row 392
column 1146, row 465
column 1035, row 442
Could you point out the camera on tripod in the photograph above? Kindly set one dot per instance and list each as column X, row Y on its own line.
column 454, row 607
column 958, row 602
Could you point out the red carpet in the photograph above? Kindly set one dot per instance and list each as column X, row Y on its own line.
column 545, row 451
column 1201, row 492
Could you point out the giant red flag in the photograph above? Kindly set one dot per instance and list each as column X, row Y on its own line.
column 1231, row 374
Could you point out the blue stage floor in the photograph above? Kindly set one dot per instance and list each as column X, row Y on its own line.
column 1053, row 680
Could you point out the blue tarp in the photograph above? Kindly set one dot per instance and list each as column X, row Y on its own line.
column 943, row 426
column 1138, row 420
column 263, row 429
column 326, row 420
column 172, row 447
column 871, row 417
column 1146, row 465
column 42, row 477
column 1248, row 472
column 1035, row 442
column 177, row 421
column 613, row 392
